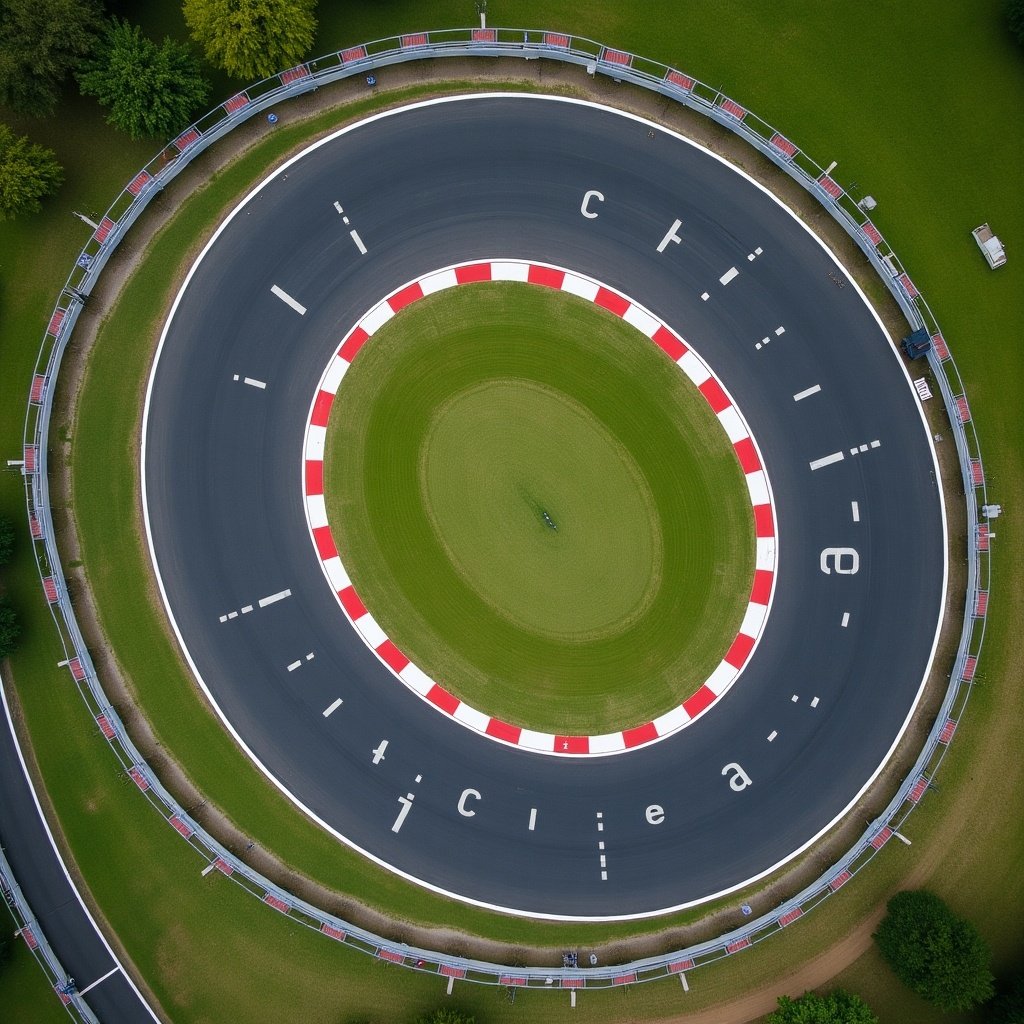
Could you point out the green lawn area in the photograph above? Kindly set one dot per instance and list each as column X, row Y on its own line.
column 920, row 105
column 25, row 993
column 475, row 412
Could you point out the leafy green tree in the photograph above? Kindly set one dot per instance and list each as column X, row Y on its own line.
column 1008, row 1006
column 934, row 952
column 837, row 1007
column 252, row 38
column 27, row 173
column 150, row 89
column 1015, row 19
column 6, row 540
column 446, row 1016
column 41, row 41
column 10, row 630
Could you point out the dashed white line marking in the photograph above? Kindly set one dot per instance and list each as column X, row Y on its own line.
column 806, row 393
column 814, row 703
column 294, row 665
column 378, row 751
column 827, row 460
column 705, row 296
column 89, row 988
column 223, row 618
column 310, row 656
column 876, row 444
column 288, row 300
column 359, row 242
column 758, row 251
column 247, row 609
column 419, row 778
column 600, row 826
column 254, row 383
column 779, row 331
column 331, row 708
column 337, row 206
column 861, row 448
column 235, row 377
column 232, row 615
column 604, row 878
column 772, row 735
column 846, row 619
column 600, row 845
column 345, row 220
column 279, row 596
column 729, row 275
column 794, row 698
column 604, row 861
column 533, row 819
column 855, row 509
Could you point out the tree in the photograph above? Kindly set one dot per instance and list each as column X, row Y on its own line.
column 27, row 173
column 934, row 952
column 40, row 42
column 837, row 1007
column 1015, row 19
column 446, row 1016
column 9, row 628
column 6, row 540
column 252, row 38
column 150, row 89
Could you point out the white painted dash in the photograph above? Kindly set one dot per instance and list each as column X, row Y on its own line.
column 288, row 300
column 604, row 878
column 729, row 275
column 855, row 510
column 827, row 460
column 779, row 331
column 279, row 596
column 814, row 703
column 294, row 665
column 331, row 708
column 533, row 818
column 705, row 296
column 247, row 609
column 337, row 206
column 359, row 242
column 806, row 393
column 846, row 619
column 772, row 735
column 253, row 383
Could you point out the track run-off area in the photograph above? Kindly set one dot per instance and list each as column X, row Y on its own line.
column 859, row 524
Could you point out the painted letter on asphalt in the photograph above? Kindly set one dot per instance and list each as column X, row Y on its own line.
column 655, row 814
column 670, row 236
column 832, row 560
column 466, row 794
column 739, row 780
column 585, row 207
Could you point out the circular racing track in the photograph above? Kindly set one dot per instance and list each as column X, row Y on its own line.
column 861, row 574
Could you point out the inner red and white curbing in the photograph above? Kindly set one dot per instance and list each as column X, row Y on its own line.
column 545, row 275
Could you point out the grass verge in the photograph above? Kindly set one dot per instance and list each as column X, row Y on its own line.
column 453, row 433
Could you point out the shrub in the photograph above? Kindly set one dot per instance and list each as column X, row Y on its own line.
column 934, row 952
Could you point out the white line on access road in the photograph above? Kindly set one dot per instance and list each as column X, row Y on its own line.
column 288, row 300
column 827, row 460
column 89, row 988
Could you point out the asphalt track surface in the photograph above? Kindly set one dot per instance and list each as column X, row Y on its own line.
column 56, row 905
column 496, row 177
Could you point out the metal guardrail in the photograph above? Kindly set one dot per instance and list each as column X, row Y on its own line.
column 29, row 929
column 621, row 66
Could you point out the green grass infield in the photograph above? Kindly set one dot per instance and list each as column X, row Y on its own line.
column 539, row 508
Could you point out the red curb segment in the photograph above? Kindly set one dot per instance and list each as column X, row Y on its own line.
column 473, row 272
column 747, row 455
column 314, row 477
column 324, row 542
column 669, row 343
column 545, row 276
column 353, row 344
column 322, row 409
column 443, row 699
column 354, row 608
column 611, row 301
column 392, row 656
column 715, row 395
column 413, row 293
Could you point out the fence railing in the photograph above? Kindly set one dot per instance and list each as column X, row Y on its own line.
column 688, row 91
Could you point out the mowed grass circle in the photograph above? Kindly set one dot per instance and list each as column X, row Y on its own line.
column 539, row 508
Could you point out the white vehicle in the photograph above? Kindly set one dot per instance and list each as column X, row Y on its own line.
column 990, row 245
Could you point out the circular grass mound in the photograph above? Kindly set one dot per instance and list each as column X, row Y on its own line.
column 539, row 508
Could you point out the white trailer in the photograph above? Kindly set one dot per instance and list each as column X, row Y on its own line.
column 990, row 246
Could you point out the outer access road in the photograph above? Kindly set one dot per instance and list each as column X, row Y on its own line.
column 842, row 661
